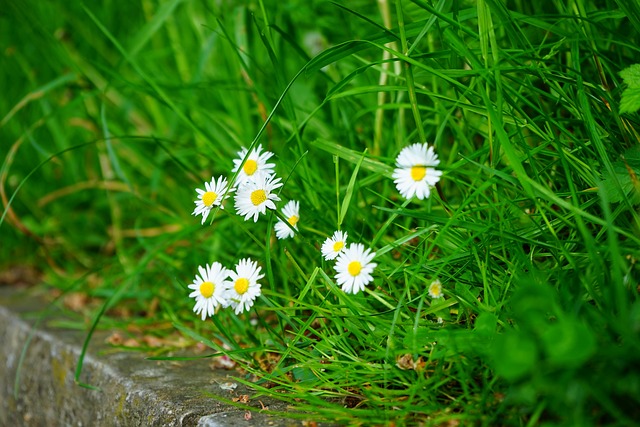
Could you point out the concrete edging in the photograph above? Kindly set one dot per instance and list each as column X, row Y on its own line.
column 133, row 390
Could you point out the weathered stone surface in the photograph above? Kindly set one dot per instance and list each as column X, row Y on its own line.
column 133, row 391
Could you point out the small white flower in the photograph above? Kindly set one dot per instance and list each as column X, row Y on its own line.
column 209, row 289
column 213, row 195
column 243, row 288
column 291, row 212
column 255, row 165
column 254, row 197
column 435, row 289
column 415, row 171
column 354, row 268
column 334, row 245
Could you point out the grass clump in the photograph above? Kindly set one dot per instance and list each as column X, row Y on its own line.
column 507, row 296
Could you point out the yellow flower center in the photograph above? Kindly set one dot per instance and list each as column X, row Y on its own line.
column 250, row 167
column 354, row 268
column 418, row 172
column 207, row 289
column 258, row 197
column 293, row 220
column 337, row 246
column 208, row 198
column 435, row 289
column 241, row 286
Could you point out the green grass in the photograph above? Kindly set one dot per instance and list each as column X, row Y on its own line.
column 112, row 115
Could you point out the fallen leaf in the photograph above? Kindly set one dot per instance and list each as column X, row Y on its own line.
column 243, row 398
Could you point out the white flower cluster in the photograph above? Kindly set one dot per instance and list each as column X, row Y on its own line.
column 217, row 286
column 254, row 188
column 255, row 185
column 353, row 264
column 414, row 175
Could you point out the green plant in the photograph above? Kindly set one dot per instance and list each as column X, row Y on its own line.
column 532, row 230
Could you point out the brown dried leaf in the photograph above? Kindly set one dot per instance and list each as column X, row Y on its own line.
column 115, row 338
column 243, row 398
column 76, row 301
column 152, row 341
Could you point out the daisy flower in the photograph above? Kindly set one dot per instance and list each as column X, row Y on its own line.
column 435, row 289
column 242, row 287
column 255, row 165
column 415, row 171
column 254, row 197
column 354, row 267
column 334, row 245
column 213, row 194
column 209, row 288
column 291, row 211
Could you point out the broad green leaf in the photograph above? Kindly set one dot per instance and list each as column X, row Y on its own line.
column 624, row 185
column 467, row 294
column 532, row 305
column 631, row 76
column 568, row 343
column 630, row 101
column 303, row 374
column 416, row 340
column 632, row 157
column 616, row 194
column 486, row 323
column 514, row 355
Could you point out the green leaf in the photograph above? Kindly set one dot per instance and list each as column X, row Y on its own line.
column 532, row 304
column 623, row 183
column 630, row 101
column 631, row 76
column 486, row 324
column 416, row 340
column 632, row 157
column 568, row 343
column 303, row 374
column 467, row 294
column 514, row 355
column 616, row 194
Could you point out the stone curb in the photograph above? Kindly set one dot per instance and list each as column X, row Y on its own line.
column 133, row 391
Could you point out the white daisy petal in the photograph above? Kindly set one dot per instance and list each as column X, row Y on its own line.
column 242, row 287
column 334, row 245
column 254, row 197
column 215, row 193
column 415, row 171
column 255, row 165
column 209, row 289
column 291, row 212
column 354, row 267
